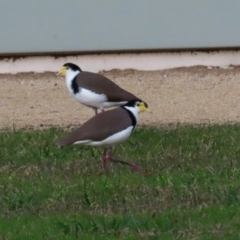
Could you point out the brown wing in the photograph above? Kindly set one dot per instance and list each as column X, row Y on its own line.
column 102, row 85
column 99, row 127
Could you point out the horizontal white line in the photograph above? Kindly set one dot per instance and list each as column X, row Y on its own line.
column 138, row 61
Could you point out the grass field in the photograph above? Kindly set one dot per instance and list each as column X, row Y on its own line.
column 189, row 187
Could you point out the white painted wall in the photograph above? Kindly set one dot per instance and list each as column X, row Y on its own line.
column 140, row 61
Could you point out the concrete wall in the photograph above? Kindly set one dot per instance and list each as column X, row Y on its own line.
column 51, row 26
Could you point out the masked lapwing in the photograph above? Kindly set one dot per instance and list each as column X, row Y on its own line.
column 107, row 129
column 92, row 89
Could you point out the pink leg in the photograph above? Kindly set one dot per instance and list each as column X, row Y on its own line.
column 134, row 167
column 104, row 160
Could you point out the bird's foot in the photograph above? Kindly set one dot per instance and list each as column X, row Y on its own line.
column 134, row 167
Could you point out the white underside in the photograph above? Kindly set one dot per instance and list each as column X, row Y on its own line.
column 95, row 100
column 112, row 140
column 89, row 98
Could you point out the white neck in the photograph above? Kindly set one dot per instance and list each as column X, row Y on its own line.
column 134, row 111
column 70, row 75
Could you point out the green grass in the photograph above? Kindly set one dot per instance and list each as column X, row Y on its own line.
column 189, row 187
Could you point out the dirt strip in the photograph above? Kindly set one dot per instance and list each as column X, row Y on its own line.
column 185, row 95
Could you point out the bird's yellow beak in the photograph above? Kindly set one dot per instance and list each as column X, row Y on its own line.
column 62, row 72
column 143, row 107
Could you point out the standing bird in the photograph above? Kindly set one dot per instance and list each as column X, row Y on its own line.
column 93, row 90
column 107, row 129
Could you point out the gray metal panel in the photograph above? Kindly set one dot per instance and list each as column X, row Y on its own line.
column 92, row 25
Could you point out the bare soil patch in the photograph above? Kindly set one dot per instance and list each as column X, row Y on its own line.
column 184, row 95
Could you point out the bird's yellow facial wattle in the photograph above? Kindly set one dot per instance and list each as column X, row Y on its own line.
column 143, row 107
column 63, row 71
